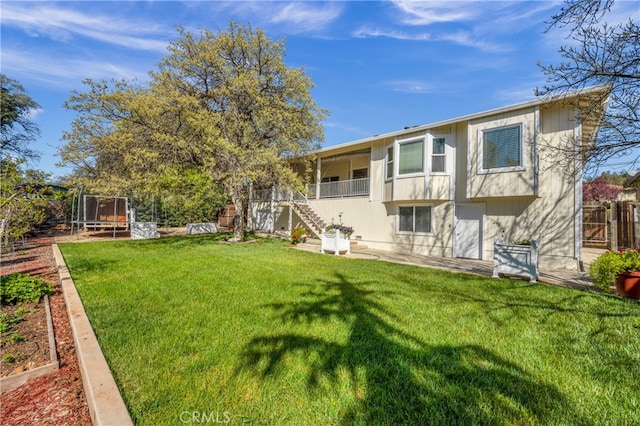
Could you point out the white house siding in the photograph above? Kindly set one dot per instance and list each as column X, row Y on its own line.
column 535, row 200
column 548, row 217
column 374, row 225
column 411, row 188
column 483, row 184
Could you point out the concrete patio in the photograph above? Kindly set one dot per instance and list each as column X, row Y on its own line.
column 562, row 277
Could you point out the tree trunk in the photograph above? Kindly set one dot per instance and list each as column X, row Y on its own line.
column 238, row 217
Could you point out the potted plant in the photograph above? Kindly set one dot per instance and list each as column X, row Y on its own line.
column 344, row 230
column 298, row 235
column 622, row 268
column 336, row 238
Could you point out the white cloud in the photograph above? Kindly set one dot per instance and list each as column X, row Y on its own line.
column 289, row 17
column 465, row 38
column 431, row 12
column 365, row 32
column 462, row 38
column 410, row 86
column 54, row 72
column 64, row 25
column 34, row 113
column 307, row 16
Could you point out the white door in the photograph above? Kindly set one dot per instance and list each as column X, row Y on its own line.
column 468, row 228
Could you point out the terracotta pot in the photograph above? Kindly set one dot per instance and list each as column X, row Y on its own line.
column 628, row 284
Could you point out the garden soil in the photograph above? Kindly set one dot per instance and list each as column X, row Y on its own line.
column 57, row 398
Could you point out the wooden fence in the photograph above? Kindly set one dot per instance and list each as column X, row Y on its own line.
column 612, row 225
column 594, row 226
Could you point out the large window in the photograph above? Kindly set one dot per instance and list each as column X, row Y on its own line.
column 411, row 157
column 414, row 219
column 438, row 157
column 501, row 148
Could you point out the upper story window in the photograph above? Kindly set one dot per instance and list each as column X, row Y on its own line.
column 502, row 148
column 411, row 157
column 438, row 156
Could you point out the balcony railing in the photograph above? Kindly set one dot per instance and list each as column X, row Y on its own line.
column 275, row 194
column 342, row 188
column 339, row 189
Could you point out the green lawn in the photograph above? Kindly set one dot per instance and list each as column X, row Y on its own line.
column 195, row 329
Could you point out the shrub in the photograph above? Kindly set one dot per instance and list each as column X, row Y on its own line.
column 608, row 265
column 298, row 234
column 20, row 288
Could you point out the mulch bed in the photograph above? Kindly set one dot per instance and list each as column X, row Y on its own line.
column 58, row 398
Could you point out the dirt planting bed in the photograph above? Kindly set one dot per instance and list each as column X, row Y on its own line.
column 57, row 398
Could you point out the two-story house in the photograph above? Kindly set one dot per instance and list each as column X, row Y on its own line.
column 452, row 187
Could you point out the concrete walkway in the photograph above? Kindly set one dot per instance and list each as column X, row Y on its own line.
column 561, row 277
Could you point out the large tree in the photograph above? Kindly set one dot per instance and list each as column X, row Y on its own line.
column 221, row 104
column 18, row 130
column 600, row 53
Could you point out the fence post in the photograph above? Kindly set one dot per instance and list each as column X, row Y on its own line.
column 635, row 214
column 614, row 225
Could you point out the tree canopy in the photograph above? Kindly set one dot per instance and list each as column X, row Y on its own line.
column 600, row 53
column 221, row 105
column 22, row 206
column 600, row 189
column 18, row 130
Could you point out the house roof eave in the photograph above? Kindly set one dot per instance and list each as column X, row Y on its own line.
column 601, row 88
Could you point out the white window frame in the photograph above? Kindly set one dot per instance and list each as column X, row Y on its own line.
column 445, row 155
column 480, row 146
column 387, row 164
column 424, row 154
column 399, row 232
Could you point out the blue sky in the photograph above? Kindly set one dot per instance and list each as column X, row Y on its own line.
column 377, row 66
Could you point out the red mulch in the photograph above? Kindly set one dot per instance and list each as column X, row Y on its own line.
column 58, row 398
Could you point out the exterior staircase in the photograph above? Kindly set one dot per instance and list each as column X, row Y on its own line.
column 313, row 220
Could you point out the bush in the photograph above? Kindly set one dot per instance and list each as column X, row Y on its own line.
column 607, row 266
column 20, row 288
column 298, row 235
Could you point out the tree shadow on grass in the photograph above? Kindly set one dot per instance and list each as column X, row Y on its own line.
column 395, row 378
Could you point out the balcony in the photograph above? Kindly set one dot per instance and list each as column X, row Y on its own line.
column 340, row 189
